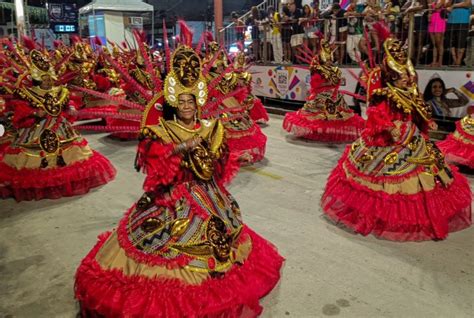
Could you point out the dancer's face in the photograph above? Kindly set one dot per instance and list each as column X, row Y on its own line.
column 186, row 107
column 437, row 89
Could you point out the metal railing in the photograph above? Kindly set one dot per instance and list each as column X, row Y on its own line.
column 228, row 33
column 410, row 29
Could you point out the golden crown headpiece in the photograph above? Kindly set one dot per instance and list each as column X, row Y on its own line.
column 325, row 53
column 396, row 57
column 40, row 66
column 185, row 77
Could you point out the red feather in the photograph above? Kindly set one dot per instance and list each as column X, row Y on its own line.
column 28, row 42
column 186, row 33
column 97, row 41
column 383, row 31
column 75, row 39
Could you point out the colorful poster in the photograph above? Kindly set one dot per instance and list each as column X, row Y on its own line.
column 293, row 83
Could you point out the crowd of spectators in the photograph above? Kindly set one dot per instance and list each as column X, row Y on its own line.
column 443, row 30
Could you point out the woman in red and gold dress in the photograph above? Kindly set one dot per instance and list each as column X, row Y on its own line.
column 47, row 158
column 393, row 181
column 458, row 147
column 244, row 137
column 325, row 115
column 182, row 250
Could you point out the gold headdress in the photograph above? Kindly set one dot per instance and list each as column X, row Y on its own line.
column 325, row 53
column 396, row 58
column 40, row 66
column 185, row 77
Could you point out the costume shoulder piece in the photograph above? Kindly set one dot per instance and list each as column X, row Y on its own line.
column 169, row 131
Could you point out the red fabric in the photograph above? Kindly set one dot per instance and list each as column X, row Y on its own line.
column 54, row 183
column 254, row 143
column 226, row 172
column 258, row 111
column 23, row 116
column 159, row 163
column 323, row 130
column 236, row 294
column 378, row 126
column 318, row 85
column 425, row 215
column 456, row 151
column 103, row 83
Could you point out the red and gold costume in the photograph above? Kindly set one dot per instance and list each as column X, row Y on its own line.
column 255, row 108
column 325, row 115
column 134, row 77
column 244, row 136
column 182, row 249
column 458, row 147
column 47, row 158
column 393, row 181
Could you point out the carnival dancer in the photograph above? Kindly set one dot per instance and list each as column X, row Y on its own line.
column 325, row 116
column 458, row 147
column 139, row 77
column 47, row 157
column 393, row 181
column 256, row 110
column 182, row 249
column 244, row 136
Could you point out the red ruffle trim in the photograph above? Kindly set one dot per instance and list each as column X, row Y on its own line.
column 160, row 165
column 110, row 293
column 398, row 217
column 456, row 151
column 258, row 111
column 254, row 144
column 229, row 170
column 54, row 183
column 324, row 130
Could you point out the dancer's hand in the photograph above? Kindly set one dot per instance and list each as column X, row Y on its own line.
column 193, row 142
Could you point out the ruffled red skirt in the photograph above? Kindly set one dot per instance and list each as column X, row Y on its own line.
column 258, row 113
column 252, row 142
column 456, row 150
column 110, row 293
column 54, row 183
column 426, row 215
column 337, row 131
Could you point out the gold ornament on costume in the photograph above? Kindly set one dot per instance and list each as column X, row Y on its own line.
column 396, row 58
column 49, row 141
column 40, row 66
column 202, row 162
column 408, row 99
column 185, row 77
column 323, row 64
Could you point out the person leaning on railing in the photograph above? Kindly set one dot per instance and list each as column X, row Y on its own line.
column 458, row 28
column 239, row 26
column 286, row 34
column 372, row 14
column 355, row 29
column 418, row 9
column 254, row 22
column 436, row 28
